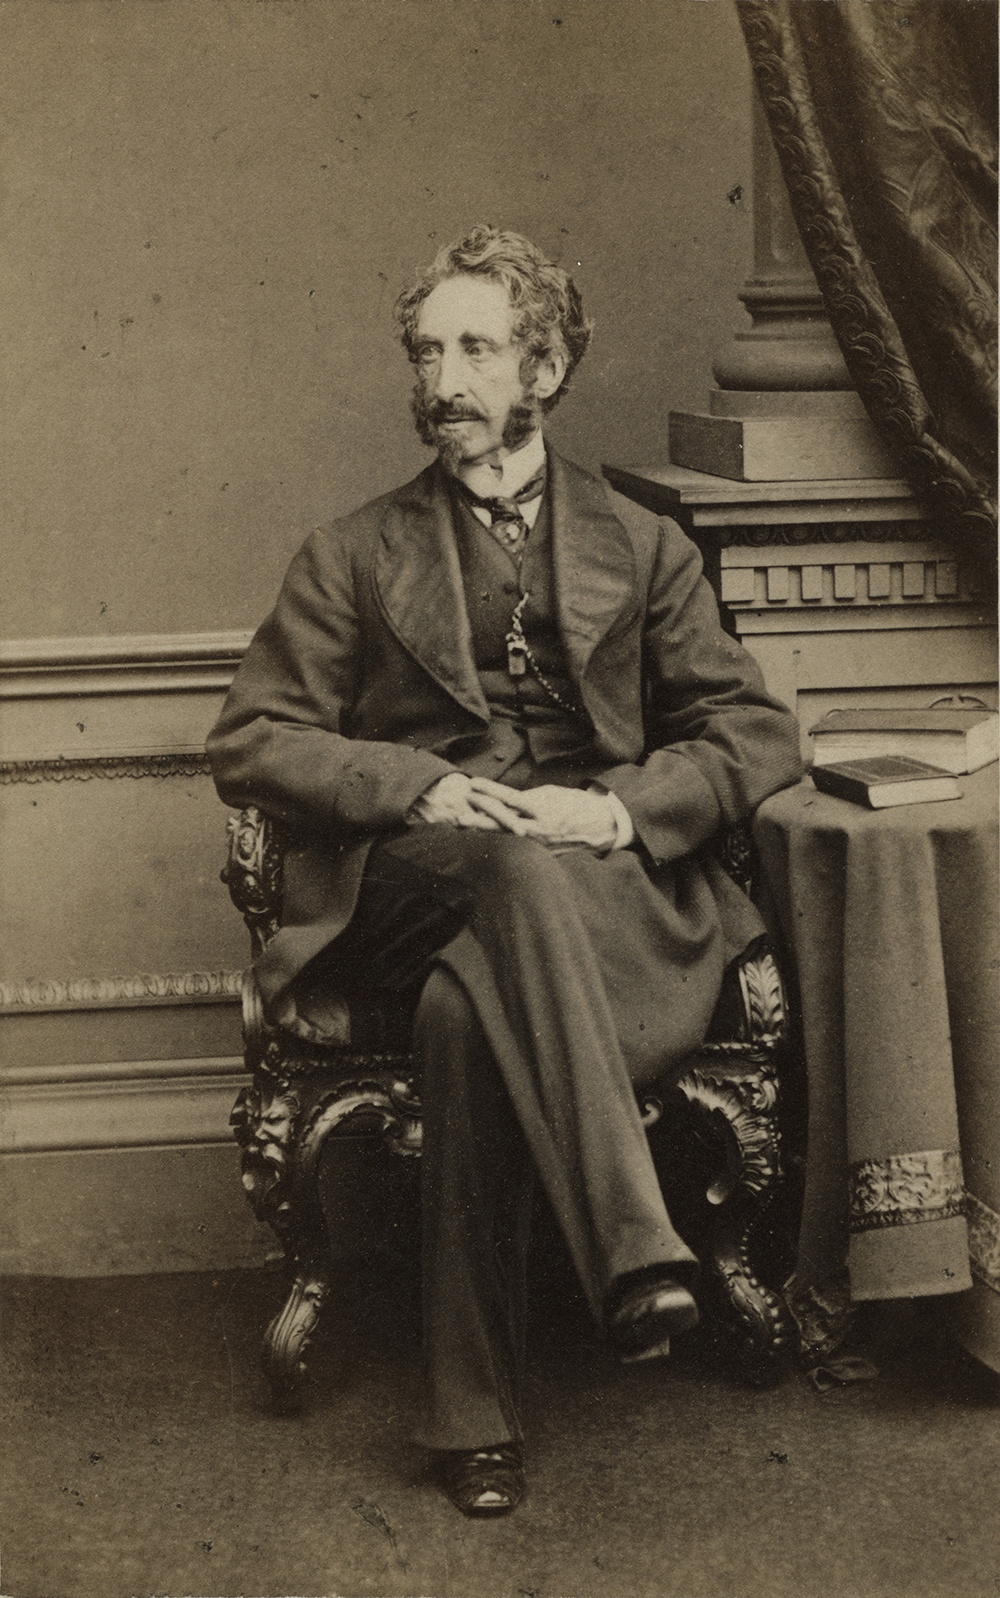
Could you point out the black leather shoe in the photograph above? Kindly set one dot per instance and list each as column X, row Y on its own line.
column 647, row 1308
column 484, row 1481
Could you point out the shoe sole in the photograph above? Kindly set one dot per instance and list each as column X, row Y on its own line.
column 658, row 1351
column 662, row 1315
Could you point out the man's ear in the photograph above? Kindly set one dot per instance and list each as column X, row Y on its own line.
column 549, row 373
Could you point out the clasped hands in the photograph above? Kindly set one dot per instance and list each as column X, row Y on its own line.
column 550, row 814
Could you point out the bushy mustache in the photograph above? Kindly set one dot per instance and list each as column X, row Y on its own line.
column 439, row 411
column 429, row 415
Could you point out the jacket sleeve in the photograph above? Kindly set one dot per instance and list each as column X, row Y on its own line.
column 717, row 742
column 280, row 741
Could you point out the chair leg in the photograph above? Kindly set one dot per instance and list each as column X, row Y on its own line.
column 291, row 1331
column 267, row 1121
column 751, row 1322
column 283, row 1128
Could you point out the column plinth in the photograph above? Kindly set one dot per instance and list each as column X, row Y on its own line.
column 785, row 407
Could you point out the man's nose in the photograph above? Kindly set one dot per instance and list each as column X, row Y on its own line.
column 451, row 375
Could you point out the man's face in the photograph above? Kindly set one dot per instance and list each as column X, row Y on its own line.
column 471, row 398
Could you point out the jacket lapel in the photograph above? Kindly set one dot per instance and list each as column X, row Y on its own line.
column 593, row 563
column 419, row 585
column 419, row 581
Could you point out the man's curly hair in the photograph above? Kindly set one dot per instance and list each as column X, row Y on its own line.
column 548, row 311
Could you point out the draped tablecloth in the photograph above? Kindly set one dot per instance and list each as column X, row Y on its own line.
column 891, row 920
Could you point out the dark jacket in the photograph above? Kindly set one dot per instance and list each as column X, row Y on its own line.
column 355, row 694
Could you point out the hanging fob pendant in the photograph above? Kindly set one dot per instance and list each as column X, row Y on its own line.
column 517, row 644
column 517, row 655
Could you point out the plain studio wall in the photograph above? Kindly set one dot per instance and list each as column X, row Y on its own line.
column 210, row 206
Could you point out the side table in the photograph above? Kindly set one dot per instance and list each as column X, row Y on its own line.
column 891, row 922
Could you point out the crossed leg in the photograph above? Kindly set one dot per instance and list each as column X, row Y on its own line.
column 522, row 1072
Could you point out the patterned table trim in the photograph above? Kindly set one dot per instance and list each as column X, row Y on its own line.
column 904, row 1189
column 984, row 1241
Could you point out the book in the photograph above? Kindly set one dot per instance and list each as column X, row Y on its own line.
column 955, row 739
column 886, row 780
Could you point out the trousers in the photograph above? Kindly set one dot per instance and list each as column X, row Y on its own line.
column 549, row 984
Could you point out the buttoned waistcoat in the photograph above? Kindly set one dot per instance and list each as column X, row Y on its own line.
column 360, row 689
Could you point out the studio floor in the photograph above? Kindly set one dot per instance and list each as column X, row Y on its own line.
column 141, row 1457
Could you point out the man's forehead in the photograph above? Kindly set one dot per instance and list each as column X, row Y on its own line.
column 466, row 304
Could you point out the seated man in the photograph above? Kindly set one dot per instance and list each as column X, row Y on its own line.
column 498, row 709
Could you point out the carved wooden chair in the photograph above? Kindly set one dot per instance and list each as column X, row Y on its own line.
column 717, row 1125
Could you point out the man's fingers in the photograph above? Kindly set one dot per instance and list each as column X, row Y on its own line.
column 512, row 798
column 552, row 815
column 501, row 813
column 499, row 790
column 477, row 821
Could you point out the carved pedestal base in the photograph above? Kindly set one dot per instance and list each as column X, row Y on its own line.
column 847, row 594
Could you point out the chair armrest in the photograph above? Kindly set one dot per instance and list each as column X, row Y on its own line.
column 734, row 849
column 254, row 872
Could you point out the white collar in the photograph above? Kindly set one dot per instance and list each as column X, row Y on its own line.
column 514, row 470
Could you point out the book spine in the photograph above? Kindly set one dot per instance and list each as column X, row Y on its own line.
column 834, row 782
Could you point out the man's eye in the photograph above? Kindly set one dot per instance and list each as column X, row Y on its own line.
column 426, row 357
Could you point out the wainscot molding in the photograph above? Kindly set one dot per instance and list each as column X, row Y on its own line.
column 33, row 668
column 120, row 993
column 82, row 768
column 131, row 1104
column 139, row 706
column 24, row 1076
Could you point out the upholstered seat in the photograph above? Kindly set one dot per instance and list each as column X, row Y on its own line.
column 714, row 1134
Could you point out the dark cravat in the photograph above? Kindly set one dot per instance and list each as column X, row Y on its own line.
column 507, row 524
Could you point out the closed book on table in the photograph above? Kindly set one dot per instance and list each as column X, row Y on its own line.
column 954, row 739
column 886, row 780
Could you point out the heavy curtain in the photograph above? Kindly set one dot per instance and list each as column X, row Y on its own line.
column 884, row 115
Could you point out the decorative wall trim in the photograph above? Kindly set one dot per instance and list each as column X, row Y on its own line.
column 136, row 1104
column 903, row 1189
column 82, row 768
column 881, row 576
column 755, row 536
column 121, row 993
column 32, row 668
